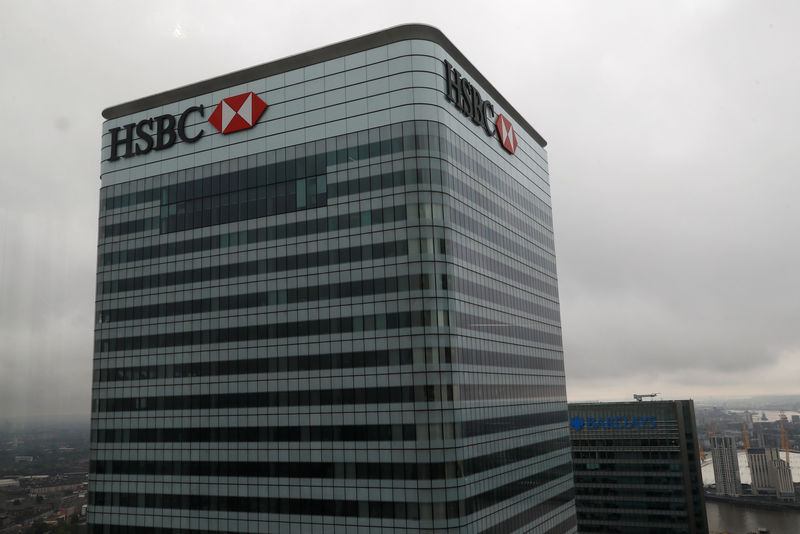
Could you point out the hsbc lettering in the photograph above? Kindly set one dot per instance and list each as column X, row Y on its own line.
column 156, row 133
column 468, row 100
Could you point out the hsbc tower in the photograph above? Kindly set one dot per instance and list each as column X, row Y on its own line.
column 327, row 302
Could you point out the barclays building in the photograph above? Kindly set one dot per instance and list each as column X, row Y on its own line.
column 327, row 302
column 637, row 468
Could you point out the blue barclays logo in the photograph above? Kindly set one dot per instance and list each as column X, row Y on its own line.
column 576, row 423
column 613, row 423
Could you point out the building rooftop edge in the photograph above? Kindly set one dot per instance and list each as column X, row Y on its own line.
column 635, row 403
column 318, row 55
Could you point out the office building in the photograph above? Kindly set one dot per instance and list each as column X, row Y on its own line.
column 769, row 474
column 636, row 468
column 327, row 302
column 759, row 463
column 782, row 476
column 726, row 466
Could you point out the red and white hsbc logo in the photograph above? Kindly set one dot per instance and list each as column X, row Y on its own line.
column 236, row 113
column 232, row 114
column 508, row 138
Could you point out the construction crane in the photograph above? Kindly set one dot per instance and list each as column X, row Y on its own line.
column 702, row 452
column 639, row 397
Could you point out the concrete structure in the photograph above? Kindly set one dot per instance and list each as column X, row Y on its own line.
column 726, row 466
column 759, row 461
column 59, row 488
column 781, row 475
column 748, row 419
column 327, row 302
column 637, row 469
column 769, row 474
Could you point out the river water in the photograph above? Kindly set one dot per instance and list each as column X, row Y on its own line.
column 724, row 517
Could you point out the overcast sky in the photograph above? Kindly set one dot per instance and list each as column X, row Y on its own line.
column 673, row 144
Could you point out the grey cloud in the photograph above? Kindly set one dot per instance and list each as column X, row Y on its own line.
column 672, row 134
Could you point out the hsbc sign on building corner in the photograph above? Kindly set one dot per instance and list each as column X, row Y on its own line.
column 467, row 99
column 232, row 114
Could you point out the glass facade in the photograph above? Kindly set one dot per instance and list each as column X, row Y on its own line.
column 338, row 319
column 637, row 469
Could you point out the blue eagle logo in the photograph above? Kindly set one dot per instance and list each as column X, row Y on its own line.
column 576, row 423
